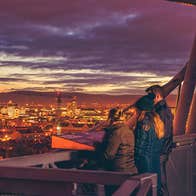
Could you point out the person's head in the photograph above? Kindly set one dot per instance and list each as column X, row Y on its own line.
column 145, row 103
column 157, row 90
column 114, row 115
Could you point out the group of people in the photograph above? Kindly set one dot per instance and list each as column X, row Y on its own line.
column 139, row 139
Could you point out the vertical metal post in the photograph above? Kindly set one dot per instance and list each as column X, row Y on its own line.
column 191, row 123
column 186, row 94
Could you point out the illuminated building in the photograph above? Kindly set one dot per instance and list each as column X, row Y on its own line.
column 11, row 110
column 58, row 105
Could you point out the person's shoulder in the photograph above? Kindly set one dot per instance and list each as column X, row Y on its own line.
column 161, row 105
column 120, row 128
column 112, row 128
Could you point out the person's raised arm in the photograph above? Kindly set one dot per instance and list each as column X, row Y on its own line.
column 174, row 82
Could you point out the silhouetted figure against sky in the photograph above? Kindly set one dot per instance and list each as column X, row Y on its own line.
column 118, row 146
column 148, row 134
column 161, row 107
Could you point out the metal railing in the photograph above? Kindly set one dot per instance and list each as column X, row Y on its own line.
column 18, row 176
column 46, row 160
column 51, row 182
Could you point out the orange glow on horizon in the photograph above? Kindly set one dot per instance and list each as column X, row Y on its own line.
column 187, row 4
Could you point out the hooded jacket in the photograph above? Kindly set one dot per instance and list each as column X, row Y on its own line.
column 119, row 148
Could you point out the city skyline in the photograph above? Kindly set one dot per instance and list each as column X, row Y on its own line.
column 91, row 46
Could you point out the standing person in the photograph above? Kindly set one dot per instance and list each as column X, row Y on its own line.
column 118, row 147
column 166, row 116
column 148, row 133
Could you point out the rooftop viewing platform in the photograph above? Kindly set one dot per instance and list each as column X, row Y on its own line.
column 74, row 73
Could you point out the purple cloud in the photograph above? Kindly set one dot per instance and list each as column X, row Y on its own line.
column 109, row 36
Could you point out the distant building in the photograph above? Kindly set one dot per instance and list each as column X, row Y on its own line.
column 12, row 110
column 58, row 105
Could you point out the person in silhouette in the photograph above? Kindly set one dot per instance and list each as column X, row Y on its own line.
column 161, row 107
column 118, row 146
column 146, row 110
column 149, row 132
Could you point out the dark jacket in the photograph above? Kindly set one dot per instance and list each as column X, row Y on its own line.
column 167, row 117
column 146, row 140
column 119, row 148
column 147, row 147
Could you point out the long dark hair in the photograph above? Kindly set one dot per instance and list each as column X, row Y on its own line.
column 156, row 120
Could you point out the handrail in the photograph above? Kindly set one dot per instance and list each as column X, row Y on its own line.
column 185, row 139
column 38, row 159
column 39, row 181
column 191, row 136
column 127, row 187
column 146, row 188
column 14, row 172
column 64, row 175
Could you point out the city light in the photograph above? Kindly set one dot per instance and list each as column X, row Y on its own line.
column 31, row 126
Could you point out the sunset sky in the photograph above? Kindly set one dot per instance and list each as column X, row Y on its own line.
column 93, row 46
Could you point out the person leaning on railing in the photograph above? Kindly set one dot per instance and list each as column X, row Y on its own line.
column 117, row 146
column 161, row 107
column 149, row 131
